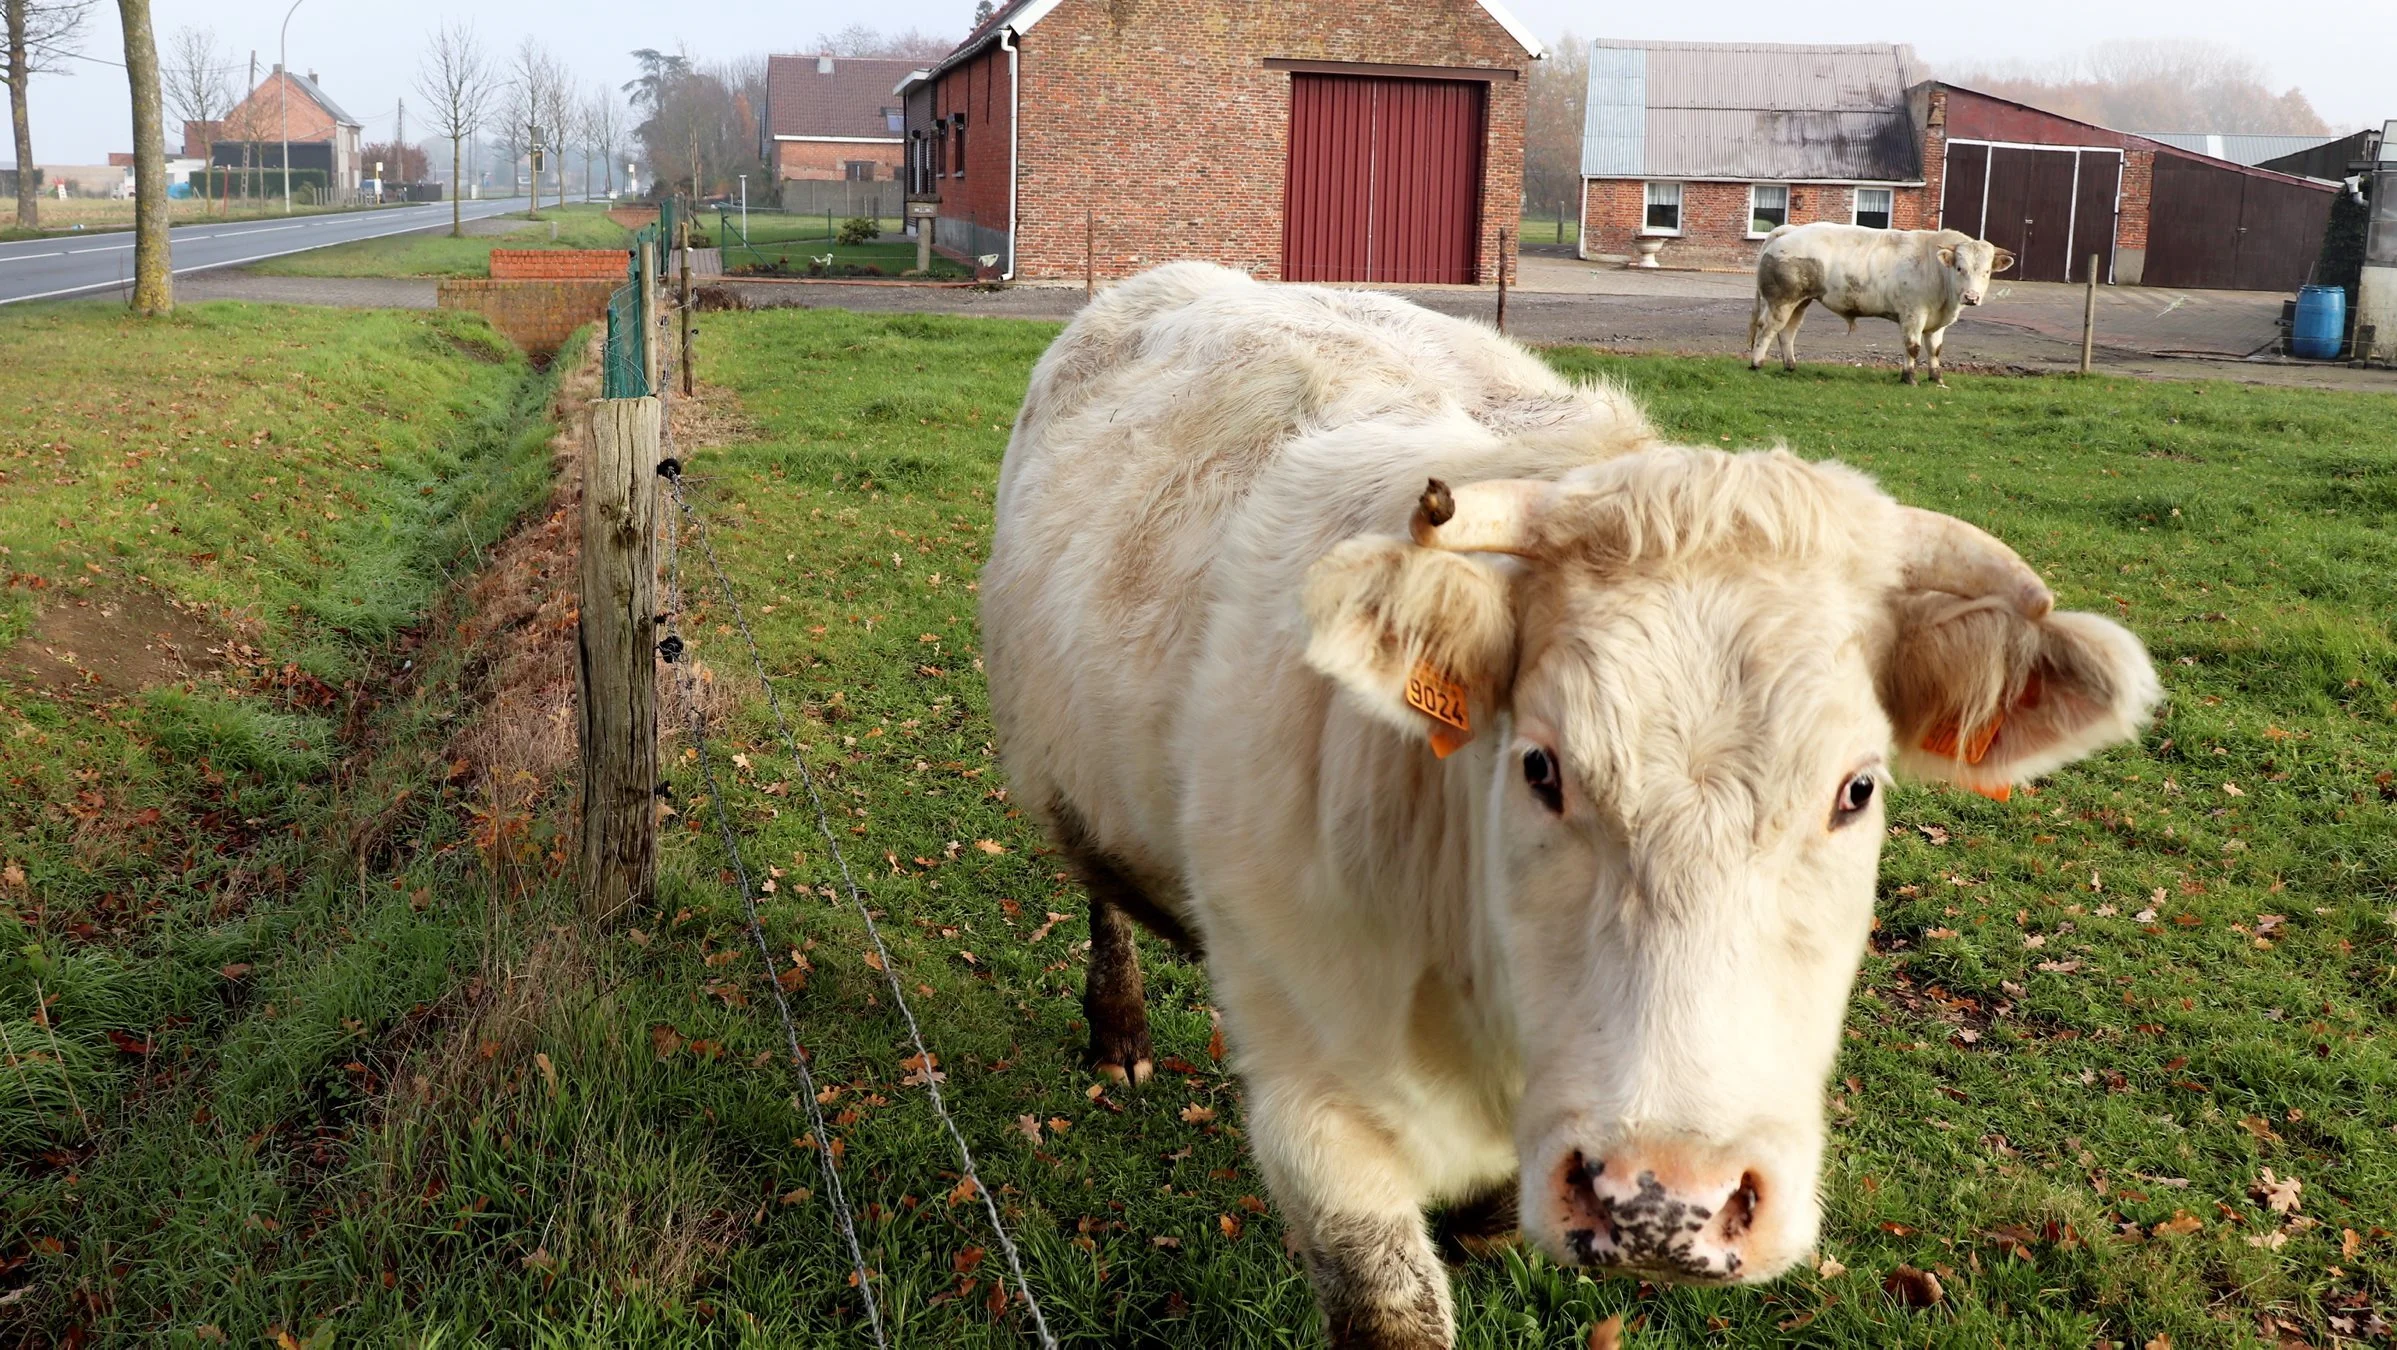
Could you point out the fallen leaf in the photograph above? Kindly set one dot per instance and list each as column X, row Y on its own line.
column 13, row 877
column 2181, row 1224
column 2060, row 967
column 234, row 971
column 1607, row 1335
column 1829, row 1268
column 1937, row 834
column 1168, row 1243
column 2271, row 1242
column 2161, row 1342
column 2232, row 790
column 1939, row 934
column 965, row 1190
column 1029, row 1127
column 2350, row 1242
column 1043, row 931
column 2144, row 916
column 2034, row 941
column 966, row 1260
column 664, row 1040
column 990, row 846
column 1913, row 1288
column 1195, row 1114
column 1230, row 1226
column 2280, row 1194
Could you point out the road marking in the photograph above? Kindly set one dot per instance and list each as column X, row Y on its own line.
column 124, row 283
column 112, row 248
column 263, row 229
column 21, row 257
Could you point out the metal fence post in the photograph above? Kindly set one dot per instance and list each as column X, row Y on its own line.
column 615, row 643
column 682, row 306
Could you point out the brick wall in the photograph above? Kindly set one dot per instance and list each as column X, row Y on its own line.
column 560, row 264
column 1162, row 122
column 537, row 316
column 263, row 112
column 633, row 217
column 2130, row 227
column 973, row 190
column 831, row 159
column 1715, row 217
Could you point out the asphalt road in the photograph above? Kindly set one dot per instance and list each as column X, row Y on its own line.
column 94, row 263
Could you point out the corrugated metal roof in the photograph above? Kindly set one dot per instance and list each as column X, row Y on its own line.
column 2237, row 148
column 1752, row 111
column 1614, row 132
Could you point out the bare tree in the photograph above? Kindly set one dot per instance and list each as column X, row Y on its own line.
column 456, row 81
column 2158, row 84
column 859, row 40
column 153, row 275
column 541, row 88
column 40, row 32
column 197, row 77
column 1554, row 103
column 604, row 119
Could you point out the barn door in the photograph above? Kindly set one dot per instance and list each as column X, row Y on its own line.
column 2093, row 214
column 2193, row 230
column 1384, row 180
column 2280, row 234
column 1962, row 196
column 2031, row 210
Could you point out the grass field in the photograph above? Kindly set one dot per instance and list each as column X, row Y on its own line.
column 794, row 241
column 435, row 254
column 430, row 1107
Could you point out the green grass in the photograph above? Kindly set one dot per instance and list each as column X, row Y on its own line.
column 647, row 1186
column 793, row 242
column 435, row 254
column 1548, row 228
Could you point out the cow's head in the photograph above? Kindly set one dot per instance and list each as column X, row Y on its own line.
column 1972, row 261
column 1688, row 678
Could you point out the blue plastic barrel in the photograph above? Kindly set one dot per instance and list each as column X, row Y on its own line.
column 2321, row 322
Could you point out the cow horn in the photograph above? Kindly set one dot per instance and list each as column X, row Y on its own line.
column 1492, row 517
column 1942, row 553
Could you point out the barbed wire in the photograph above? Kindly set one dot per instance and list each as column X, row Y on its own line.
column 671, row 468
column 671, row 648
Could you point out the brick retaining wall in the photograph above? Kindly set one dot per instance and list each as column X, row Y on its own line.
column 537, row 315
column 560, row 264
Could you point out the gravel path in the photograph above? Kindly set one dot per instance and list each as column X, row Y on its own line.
column 346, row 292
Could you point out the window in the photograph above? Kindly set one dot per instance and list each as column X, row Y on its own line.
column 1664, row 209
column 957, row 133
column 858, row 170
column 1768, row 208
column 1873, row 207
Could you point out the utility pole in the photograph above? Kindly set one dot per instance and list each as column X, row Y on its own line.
column 401, row 138
column 283, row 97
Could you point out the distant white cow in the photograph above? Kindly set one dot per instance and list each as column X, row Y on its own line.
column 1527, row 828
column 1918, row 278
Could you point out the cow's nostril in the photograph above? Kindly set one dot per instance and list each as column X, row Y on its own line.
column 1739, row 1212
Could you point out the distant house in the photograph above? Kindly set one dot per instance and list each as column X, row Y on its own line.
column 285, row 107
column 1705, row 148
column 1306, row 140
column 833, row 117
column 1712, row 145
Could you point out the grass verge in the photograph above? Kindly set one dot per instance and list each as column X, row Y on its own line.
column 433, row 253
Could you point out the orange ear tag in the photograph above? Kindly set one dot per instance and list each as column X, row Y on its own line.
column 1443, row 700
column 1943, row 739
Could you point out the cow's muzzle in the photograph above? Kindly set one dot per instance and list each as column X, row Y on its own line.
column 1654, row 1215
column 1972, row 297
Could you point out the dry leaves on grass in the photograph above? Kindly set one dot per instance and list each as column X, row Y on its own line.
column 2281, row 1195
column 1607, row 1335
column 1913, row 1288
column 1830, row 1268
column 1195, row 1114
column 990, row 846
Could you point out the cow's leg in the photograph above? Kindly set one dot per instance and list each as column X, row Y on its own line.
column 1113, row 1001
column 1789, row 335
column 1762, row 324
column 1937, row 338
column 1914, row 348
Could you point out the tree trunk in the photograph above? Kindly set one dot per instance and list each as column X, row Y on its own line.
column 457, row 189
column 153, row 277
column 20, row 69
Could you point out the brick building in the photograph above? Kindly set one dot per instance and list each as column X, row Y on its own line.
column 285, row 107
column 1701, row 149
column 833, row 118
column 1365, row 140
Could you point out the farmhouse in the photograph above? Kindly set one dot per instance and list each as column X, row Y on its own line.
column 285, row 107
column 832, row 117
column 1693, row 152
column 1315, row 140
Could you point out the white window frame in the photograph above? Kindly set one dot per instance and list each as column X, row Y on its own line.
column 1681, row 219
column 1750, row 223
column 1856, row 205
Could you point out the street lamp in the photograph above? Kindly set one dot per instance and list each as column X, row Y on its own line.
column 283, row 97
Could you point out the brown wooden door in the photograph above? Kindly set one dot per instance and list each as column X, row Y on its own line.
column 2193, row 224
column 2093, row 215
column 2280, row 234
column 1384, row 180
column 1961, row 195
column 2031, row 209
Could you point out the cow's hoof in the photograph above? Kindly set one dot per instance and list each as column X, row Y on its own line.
column 1141, row 1071
column 1122, row 1054
column 1941, row 383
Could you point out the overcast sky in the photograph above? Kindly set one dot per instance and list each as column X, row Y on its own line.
column 367, row 55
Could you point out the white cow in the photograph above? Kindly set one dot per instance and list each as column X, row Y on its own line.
column 1919, row 278
column 1527, row 828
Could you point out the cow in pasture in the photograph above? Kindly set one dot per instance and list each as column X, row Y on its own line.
column 1518, row 775
column 1919, row 278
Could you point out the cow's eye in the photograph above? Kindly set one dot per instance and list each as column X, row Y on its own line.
column 1539, row 770
column 1854, row 795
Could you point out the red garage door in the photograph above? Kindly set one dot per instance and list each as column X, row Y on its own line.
column 1384, row 181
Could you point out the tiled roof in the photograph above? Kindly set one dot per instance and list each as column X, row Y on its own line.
column 832, row 95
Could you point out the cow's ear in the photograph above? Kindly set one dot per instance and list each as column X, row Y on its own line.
column 1947, row 255
column 2003, row 261
column 1986, row 685
column 1418, row 638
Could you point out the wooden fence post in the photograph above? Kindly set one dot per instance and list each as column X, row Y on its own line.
column 682, row 305
column 2089, row 317
column 653, row 344
column 616, row 642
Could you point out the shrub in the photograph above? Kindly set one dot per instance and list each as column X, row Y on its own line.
column 859, row 230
